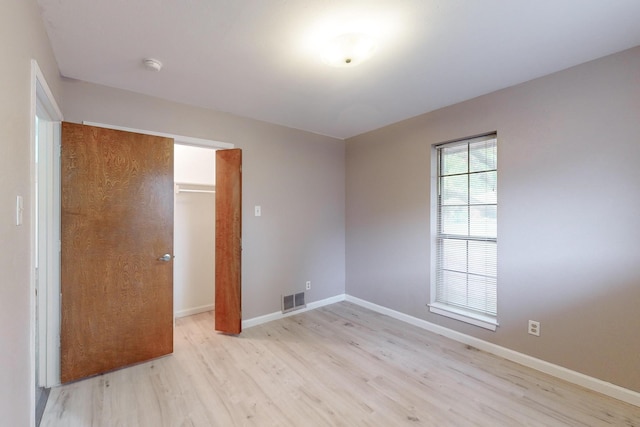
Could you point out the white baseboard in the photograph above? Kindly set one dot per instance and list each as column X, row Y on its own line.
column 194, row 310
column 557, row 371
column 279, row 315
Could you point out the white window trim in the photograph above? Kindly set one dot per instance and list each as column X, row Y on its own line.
column 487, row 322
column 467, row 316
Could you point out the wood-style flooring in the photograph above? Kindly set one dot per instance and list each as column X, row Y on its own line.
column 340, row 365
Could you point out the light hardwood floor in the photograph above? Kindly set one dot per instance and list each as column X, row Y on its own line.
column 340, row 365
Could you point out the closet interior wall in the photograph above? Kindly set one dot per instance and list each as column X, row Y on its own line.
column 194, row 230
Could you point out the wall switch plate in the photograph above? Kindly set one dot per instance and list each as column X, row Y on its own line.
column 257, row 211
column 19, row 210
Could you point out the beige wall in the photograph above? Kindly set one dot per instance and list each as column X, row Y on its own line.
column 194, row 250
column 297, row 178
column 22, row 38
column 568, row 215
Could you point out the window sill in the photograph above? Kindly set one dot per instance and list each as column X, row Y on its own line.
column 486, row 322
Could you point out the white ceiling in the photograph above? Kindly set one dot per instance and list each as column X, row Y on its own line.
column 259, row 58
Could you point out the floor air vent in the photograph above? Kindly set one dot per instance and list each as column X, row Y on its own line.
column 293, row 302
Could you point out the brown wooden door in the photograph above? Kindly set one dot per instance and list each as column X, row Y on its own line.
column 116, row 222
column 228, row 303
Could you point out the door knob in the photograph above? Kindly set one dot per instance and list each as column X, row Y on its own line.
column 165, row 257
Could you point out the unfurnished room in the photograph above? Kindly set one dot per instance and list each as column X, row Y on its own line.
column 320, row 213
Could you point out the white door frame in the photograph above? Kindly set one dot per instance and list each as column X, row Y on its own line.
column 45, row 232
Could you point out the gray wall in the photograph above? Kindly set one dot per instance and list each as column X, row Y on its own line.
column 22, row 38
column 297, row 177
column 568, row 215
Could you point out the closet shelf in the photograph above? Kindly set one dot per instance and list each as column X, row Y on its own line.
column 179, row 189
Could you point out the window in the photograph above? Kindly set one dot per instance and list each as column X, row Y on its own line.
column 465, row 231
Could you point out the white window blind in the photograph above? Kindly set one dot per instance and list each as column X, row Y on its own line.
column 466, row 235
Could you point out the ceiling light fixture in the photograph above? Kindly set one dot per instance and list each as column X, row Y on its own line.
column 152, row 64
column 348, row 50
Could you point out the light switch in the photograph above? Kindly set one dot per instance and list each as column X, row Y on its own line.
column 19, row 210
column 258, row 210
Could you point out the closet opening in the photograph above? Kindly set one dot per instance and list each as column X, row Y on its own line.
column 194, row 229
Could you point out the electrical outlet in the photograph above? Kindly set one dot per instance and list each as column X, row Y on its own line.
column 534, row 327
column 308, row 285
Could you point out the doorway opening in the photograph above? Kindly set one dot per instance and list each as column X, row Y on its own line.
column 194, row 229
column 45, row 238
column 46, row 230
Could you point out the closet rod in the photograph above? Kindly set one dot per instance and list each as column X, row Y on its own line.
column 181, row 190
